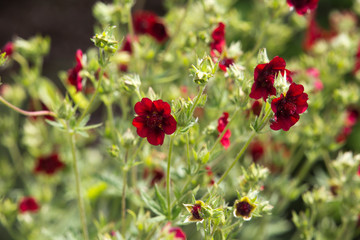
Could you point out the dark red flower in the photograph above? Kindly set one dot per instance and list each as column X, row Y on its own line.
column 256, row 108
column 264, row 77
column 8, row 49
column 225, row 63
column 158, row 31
column 154, row 120
column 244, row 208
column 149, row 23
column 28, row 204
column 257, row 151
column 222, row 122
column 157, row 176
column 74, row 77
column 303, row 6
column 314, row 33
column 126, row 47
column 288, row 107
column 143, row 20
column 49, row 164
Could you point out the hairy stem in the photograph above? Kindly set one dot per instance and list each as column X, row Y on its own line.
column 78, row 186
column 168, row 177
column 27, row 113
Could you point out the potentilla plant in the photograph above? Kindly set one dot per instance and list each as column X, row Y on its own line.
column 183, row 127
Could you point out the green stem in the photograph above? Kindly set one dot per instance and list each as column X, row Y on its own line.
column 178, row 26
column 253, row 134
column 224, row 131
column 168, row 177
column 101, row 73
column 27, row 113
column 188, row 150
column 123, row 201
column 201, row 90
column 78, row 187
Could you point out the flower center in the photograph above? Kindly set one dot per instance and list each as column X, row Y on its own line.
column 195, row 211
column 287, row 108
column 244, row 208
column 154, row 120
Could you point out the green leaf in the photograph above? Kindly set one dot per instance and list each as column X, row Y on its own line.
column 55, row 124
column 151, row 204
column 90, row 126
column 175, row 212
column 84, row 121
column 160, row 199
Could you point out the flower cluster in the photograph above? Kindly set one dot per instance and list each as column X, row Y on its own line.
column 264, row 78
column 217, row 47
column 154, row 120
column 74, row 77
column 289, row 105
column 149, row 23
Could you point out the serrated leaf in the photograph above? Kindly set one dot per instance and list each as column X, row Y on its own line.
column 175, row 212
column 84, row 121
column 194, row 154
column 151, row 204
column 82, row 133
column 55, row 124
column 111, row 180
column 90, row 126
column 160, row 199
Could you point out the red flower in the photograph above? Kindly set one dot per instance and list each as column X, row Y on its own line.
column 8, row 49
column 225, row 63
column 264, row 77
column 314, row 33
column 357, row 61
column 358, row 173
column 74, row 77
column 302, row 6
column 176, row 232
column 49, row 164
column 222, row 122
column 352, row 116
column 149, row 23
column 257, row 151
column 218, row 43
column 210, row 173
column 288, row 107
column 28, row 204
column 154, row 120
column 314, row 73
